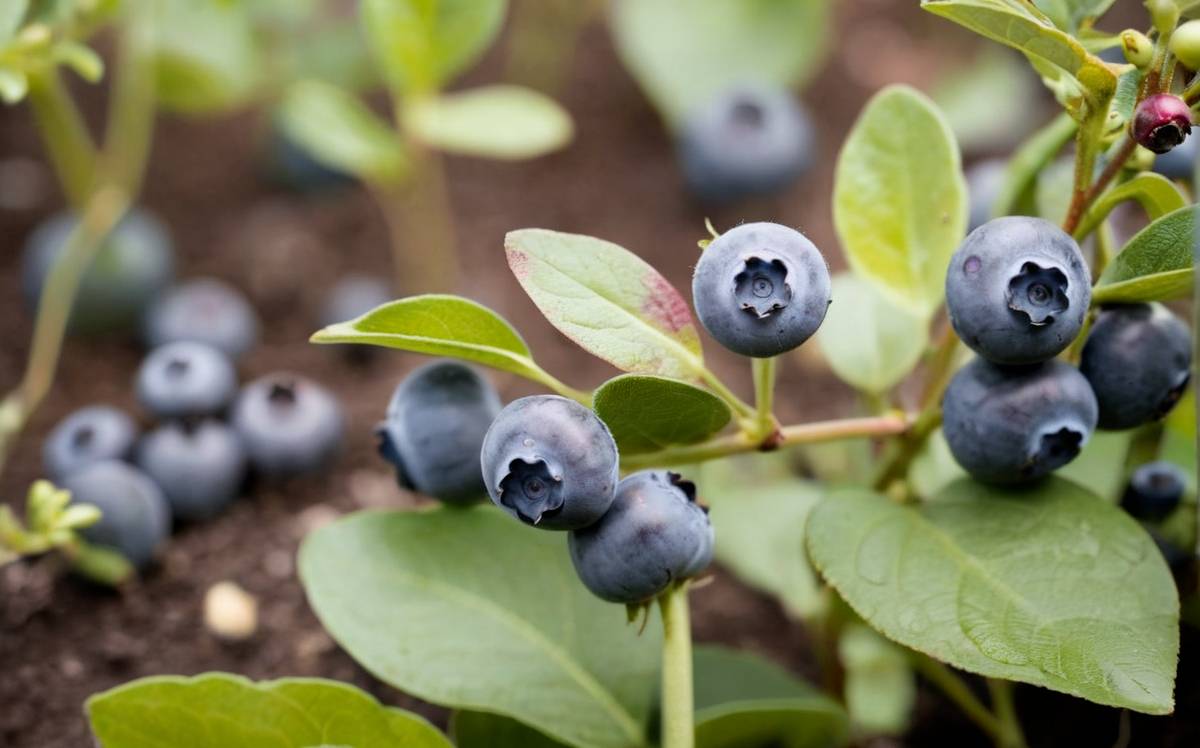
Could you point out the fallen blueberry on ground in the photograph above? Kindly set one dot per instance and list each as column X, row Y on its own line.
column 184, row 379
column 204, row 310
column 199, row 466
column 289, row 425
column 89, row 435
column 135, row 518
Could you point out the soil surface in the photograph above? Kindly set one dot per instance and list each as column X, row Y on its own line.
column 62, row 640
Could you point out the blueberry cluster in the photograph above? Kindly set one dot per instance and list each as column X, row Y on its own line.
column 193, row 462
column 1017, row 292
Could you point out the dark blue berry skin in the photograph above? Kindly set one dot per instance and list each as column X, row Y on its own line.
column 93, row 434
column 204, row 310
column 761, row 289
column 434, row 430
column 985, row 179
column 200, row 467
column 185, row 380
column 1155, row 490
column 135, row 518
column 1015, row 424
column 550, row 462
column 288, row 165
column 746, row 141
column 289, row 425
column 653, row 535
column 1180, row 161
column 1018, row 290
column 133, row 266
column 1138, row 359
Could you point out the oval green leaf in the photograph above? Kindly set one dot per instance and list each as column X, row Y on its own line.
column 1155, row 265
column 608, row 300
column 683, row 53
column 422, row 44
column 900, row 201
column 1157, row 195
column 468, row 609
column 218, row 710
column 438, row 325
column 483, row 730
column 648, row 413
column 502, row 122
column 341, row 132
column 12, row 13
column 868, row 341
column 205, row 56
column 1047, row 585
column 742, row 700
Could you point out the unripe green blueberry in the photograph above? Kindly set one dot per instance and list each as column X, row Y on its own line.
column 1138, row 49
column 1185, row 44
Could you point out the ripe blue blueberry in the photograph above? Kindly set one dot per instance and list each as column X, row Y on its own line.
column 550, row 462
column 985, row 179
column 1138, row 358
column 135, row 518
column 654, row 534
column 761, row 289
column 1013, row 424
column 183, row 380
column 132, row 267
column 92, row 434
column 1155, row 490
column 199, row 466
column 1017, row 290
column 750, row 140
column 289, row 425
column 204, row 310
column 434, row 430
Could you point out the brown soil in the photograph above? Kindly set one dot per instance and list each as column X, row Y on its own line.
column 61, row 640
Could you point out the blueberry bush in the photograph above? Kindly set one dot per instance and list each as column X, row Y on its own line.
column 1007, row 508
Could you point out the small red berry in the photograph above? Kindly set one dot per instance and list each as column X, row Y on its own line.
column 1162, row 122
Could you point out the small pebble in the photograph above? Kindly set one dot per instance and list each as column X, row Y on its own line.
column 230, row 612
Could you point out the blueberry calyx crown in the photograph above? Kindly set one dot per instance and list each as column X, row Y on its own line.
column 176, row 368
column 83, row 437
column 1040, row 293
column 761, row 288
column 746, row 114
column 1162, row 122
column 282, row 394
column 1056, row 447
column 532, row 489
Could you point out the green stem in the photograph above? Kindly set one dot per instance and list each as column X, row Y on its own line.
column 554, row 383
column 678, row 720
column 742, row 442
column 764, row 395
column 953, row 687
column 739, row 406
column 1006, row 712
column 1191, row 94
column 64, row 134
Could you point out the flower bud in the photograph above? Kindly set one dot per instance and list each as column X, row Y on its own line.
column 1161, row 122
column 1138, row 48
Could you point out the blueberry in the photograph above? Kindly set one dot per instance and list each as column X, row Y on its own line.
column 1155, row 490
column 1012, row 424
column 1017, row 290
column 131, row 268
column 92, row 434
column 550, row 462
column 761, row 289
column 434, row 431
column 654, row 534
column 985, row 179
column 198, row 466
column 135, row 518
column 288, row 424
column 749, row 140
column 290, row 165
column 183, row 380
column 1138, row 358
column 204, row 310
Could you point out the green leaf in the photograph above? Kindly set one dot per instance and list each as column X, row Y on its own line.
column 1155, row 265
column 869, row 341
column 205, row 56
column 14, row 84
column 1067, row 67
column 219, row 710
column 761, row 535
column 503, row 122
column 880, row 689
column 608, row 300
column 468, row 609
column 648, row 413
column 80, row 58
column 483, row 730
column 341, row 132
column 1156, row 194
column 422, row 44
column 438, row 325
column 1072, row 15
column 900, row 201
column 683, row 53
column 12, row 14
column 1046, row 585
column 743, row 700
